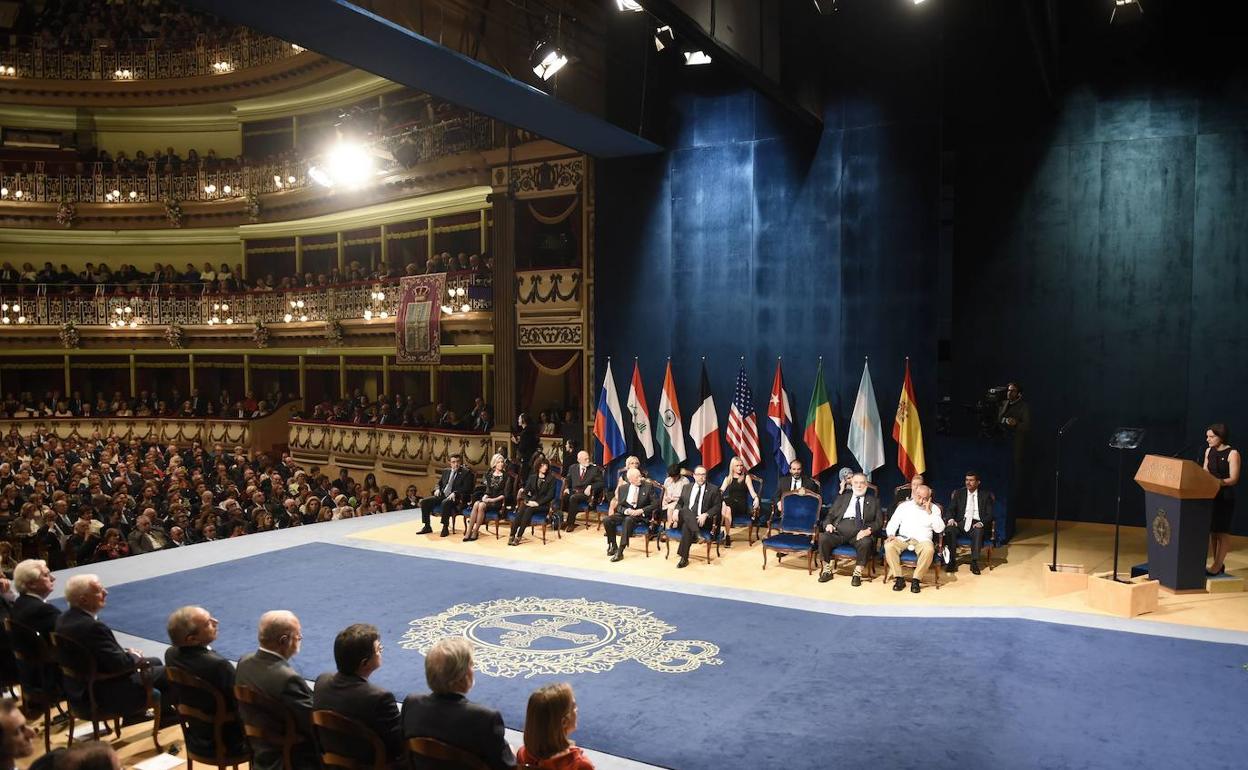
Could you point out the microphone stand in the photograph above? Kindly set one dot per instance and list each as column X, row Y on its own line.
column 1057, row 486
column 1123, row 439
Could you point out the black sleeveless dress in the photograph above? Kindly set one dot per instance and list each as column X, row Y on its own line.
column 737, row 498
column 1224, row 503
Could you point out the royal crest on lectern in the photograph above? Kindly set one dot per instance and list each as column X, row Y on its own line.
column 1161, row 528
column 529, row 636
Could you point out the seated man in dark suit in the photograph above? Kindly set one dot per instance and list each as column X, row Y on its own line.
column 86, row 596
column 795, row 479
column 635, row 501
column 446, row 715
column 584, row 483
column 852, row 519
column 17, row 739
column 268, row 670
column 454, row 487
column 357, row 654
column 33, row 582
column 969, row 515
column 191, row 630
column 700, row 509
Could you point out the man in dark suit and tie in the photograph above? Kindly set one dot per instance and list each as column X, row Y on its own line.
column 970, row 515
column 86, row 596
column 199, row 404
column 699, row 508
column 268, row 670
column 191, row 630
column 795, row 480
column 634, row 501
column 454, row 488
column 584, row 484
column 446, row 714
column 357, row 654
column 855, row 519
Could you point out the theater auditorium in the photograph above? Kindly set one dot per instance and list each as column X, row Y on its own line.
column 571, row 384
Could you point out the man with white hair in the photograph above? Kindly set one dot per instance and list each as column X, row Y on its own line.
column 446, row 714
column 80, row 623
column 191, row 630
column 635, row 501
column 147, row 537
column 268, row 671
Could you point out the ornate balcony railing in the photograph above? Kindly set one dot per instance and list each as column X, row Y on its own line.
column 103, row 185
column 157, row 306
column 142, row 59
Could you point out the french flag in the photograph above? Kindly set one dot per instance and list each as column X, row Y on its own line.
column 609, row 422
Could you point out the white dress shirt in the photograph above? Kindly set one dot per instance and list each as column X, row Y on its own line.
column 910, row 522
column 851, row 513
column 972, row 510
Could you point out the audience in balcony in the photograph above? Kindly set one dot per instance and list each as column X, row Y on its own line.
column 55, row 404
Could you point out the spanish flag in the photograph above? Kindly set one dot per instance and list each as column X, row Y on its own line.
column 820, row 433
column 907, row 431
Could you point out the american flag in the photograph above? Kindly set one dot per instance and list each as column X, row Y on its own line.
column 743, row 423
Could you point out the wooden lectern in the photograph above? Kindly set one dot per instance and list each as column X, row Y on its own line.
column 1178, row 497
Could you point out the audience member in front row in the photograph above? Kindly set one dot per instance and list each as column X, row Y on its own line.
column 191, row 630
column 673, row 486
column 635, row 501
column 446, row 714
column 453, row 489
column 584, row 484
column 852, row 519
column 86, row 755
column 33, row 581
column 17, row 739
column 496, row 486
column 268, row 670
column 86, row 596
column 699, row 508
column 550, row 719
column 347, row 691
column 539, row 494
column 970, row 511
column 912, row 528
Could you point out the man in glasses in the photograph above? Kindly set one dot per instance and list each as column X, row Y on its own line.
column 268, row 671
column 357, row 654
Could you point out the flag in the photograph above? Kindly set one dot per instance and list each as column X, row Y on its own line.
column 908, row 432
column 705, row 426
column 820, row 428
column 672, row 436
column 780, row 422
column 608, row 423
column 743, row 423
column 866, row 437
column 640, row 414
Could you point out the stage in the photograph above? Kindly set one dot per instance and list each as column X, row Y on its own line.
column 727, row 665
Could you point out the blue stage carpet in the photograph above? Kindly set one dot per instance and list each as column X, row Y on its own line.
column 764, row 686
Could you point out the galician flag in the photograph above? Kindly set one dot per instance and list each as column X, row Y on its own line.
column 866, row 437
column 780, row 422
column 705, row 426
column 609, row 423
column 671, row 435
column 640, row 413
column 820, row 428
column 907, row 431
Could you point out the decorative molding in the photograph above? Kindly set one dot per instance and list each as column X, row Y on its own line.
column 547, row 287
column 550, row 335
column 564, row 175
column 437, row 204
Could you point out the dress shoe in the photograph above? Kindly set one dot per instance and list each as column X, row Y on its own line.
column 899, row 584
column 728, row 541
column 682, row 564
column 511, row 541
column 1215, row 574
column 825, row 575
column 426, row 530
column 915, row 587
column 974, row 568
column 611, row 550
column 619, row 555
column 445, row 532
column 857, row 581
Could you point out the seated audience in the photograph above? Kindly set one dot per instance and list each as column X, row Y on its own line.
column 539, row 493
column 453, row 491
column 357, row 654
column 17, row 739
column 913, row 527
column 853, row 520
column 970, row 512
column 548, row 722
column 635, row 501
column 191, row 630
column 268, row 670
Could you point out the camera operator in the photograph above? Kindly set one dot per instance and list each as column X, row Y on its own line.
column 1014, row 420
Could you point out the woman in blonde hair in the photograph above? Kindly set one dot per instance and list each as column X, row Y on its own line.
column 496, row 485
column 549, row 721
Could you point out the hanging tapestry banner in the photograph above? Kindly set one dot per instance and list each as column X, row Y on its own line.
column 417, row 332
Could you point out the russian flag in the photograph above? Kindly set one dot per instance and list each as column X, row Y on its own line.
column 609, row 422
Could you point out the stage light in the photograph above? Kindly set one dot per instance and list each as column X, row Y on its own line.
column 349, row 164
column 547, row 60
column 629, row 5
column 663, row 37
column 319, row 176
column 696, row 58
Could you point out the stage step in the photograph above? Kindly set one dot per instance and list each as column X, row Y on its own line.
column 1224, row 584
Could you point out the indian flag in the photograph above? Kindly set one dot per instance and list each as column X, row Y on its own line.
column 671, row 434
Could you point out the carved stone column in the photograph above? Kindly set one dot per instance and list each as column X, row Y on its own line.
column 504, row 249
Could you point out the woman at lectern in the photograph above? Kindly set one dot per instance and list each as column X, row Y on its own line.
column 1223, row 462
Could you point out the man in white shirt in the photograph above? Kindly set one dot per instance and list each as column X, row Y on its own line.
column 970, row 515
column 912, row 528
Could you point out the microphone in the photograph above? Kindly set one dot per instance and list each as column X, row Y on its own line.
column 1185, row 449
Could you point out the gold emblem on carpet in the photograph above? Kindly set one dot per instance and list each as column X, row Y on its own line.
column 530, row 636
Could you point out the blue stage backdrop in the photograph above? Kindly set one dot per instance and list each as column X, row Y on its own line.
column 698, row 682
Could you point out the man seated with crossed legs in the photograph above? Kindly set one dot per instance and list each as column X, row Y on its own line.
column 635, row 501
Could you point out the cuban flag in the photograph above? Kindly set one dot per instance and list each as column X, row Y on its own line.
column 780, row 422
column 609, row 422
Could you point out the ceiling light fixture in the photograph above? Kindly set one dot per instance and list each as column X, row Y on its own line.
column 696, row 58
column 663, row 37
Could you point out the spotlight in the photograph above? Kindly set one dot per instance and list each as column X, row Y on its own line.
column 547, row 60
column 629, row 5
column 663, row 37
column 1126, row 11
column 696, row 58
column 349, row 164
